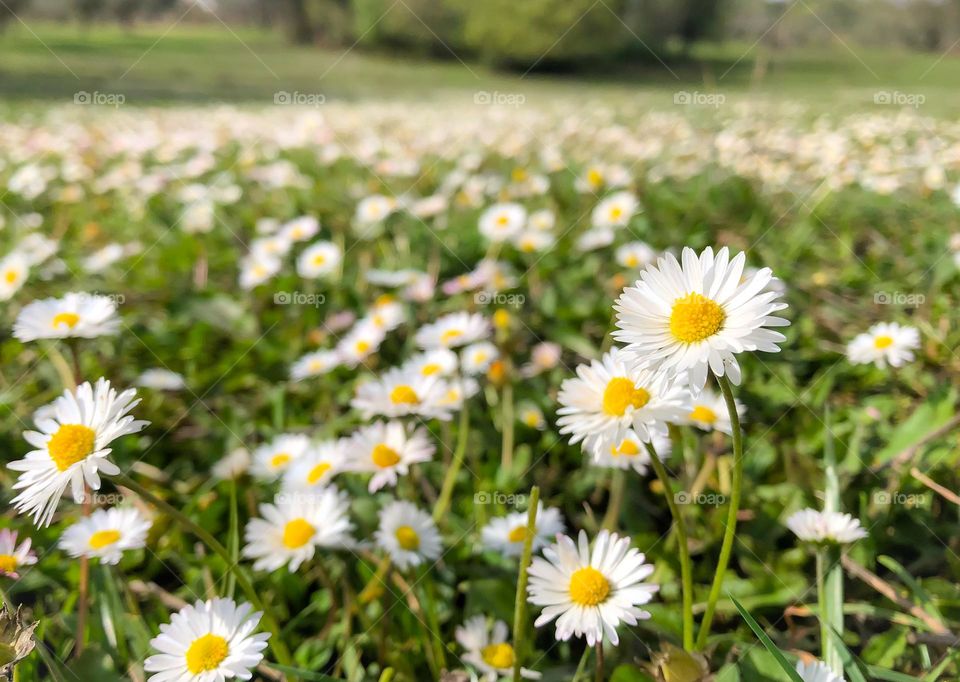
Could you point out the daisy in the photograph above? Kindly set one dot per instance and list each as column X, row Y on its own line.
column 455, row 329
column 631, row 453
column 488, row 649
column 595, row 238
column 709, row 412
column 386, row 314
column 14, row 269
column 272, row 459
column 476, row 358
column 457, row 391
column 543, row 357
column 295, row 525
column 817, row 671
column 256, row 269
column 532, row 416
column 314, row 364
column 75, row 315
column 530, row 241
column 232, row 465
column 437, row 362
column 884, row 343
column 362, row 341
column 590, row 592
column 13, row 557
column 815, row 526
column 543, row 220
column 698, row 316
column 160, row 379
column 301, row 229
column 636, row 255
column 398, row 393
column 388, row 450
column 319, row 259
column 615, row 210
column 272, row 246
column 408, row 535
column 316, row 467
column 106, row 534
column 207, row 642
column 507, row 534
column 71, row 447
column 502, row 221
column 374, row 209
column 611, row 396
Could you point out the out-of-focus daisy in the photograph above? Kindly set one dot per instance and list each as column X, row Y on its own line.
column 408, row 535
column 362, row 341
column 232, row 465
column 709, row 411
column 631, row 453
column 817, row 671
column 272, row 246
column 388, row 450
column 314, row 364
column 610, row 397
column 386, row 313
column 106, row 534
column 272, row 459
column 615, row 210
column 476, row 358
column 256, row 269
column 506, row 534
column 207, row 642
column 636, row 255
column 502, row 221
column 13, row 557
column 595, row 238
column 295, row 525
column 698, row 316
column 317, row 467
column 101, row 259
column 160, row 379
column 543, row 220
column 398, row 393
column 374, row 209
column 14, row 270
column 457, row 390
column 590, row 592
column 488, row 649
column 815, row 526
column 300, row 229
column 532, row 416
column 75, row 315
column 544, row 356
column 319, row 259
column 453, row 330
column 530, row 241
column 437, row 362
column 71, row 447
column 886, row 343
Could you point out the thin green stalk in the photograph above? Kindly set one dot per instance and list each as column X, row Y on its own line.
column 450, row 480
column 582, row 665
column 431, row 612
column 617, row 486
column 506, row 427
column 279, row 648
column 599, row 676
column 830, row 600
column 686, row 569
column 520, row 603
column 387, row 675
column 726, row 548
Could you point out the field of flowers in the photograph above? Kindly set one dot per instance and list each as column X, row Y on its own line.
column 432, row 391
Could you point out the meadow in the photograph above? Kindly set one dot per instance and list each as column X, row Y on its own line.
column 378, row 315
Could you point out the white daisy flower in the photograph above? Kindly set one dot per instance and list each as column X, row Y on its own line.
column 502, row 221
column 301, row 229
column 488, row 649
column 392, row 278
column 709, row 412
column 530, row 241
column 160, row 379
column 817, row 671
column 886, row 343
column 232, row 465
column 455, row 329
column 273, row 246
column 398, row 393
column 13, row 557
column 506, row 534
column 386, row 314
column 256, row 269
column 374, row 209
column 75, row 315
column 362, row 341
column 631, row 453
column 207, row 642
column 437, row 362
column 271, row 459
column 698, row 316
column 532, row 416
column 636, row 255
column 614, row 210
column 316, row 468
column 457, row 391
column 590, row 592
column 14, row 269
column 476, row 358
column 318, row 260
column 408, row 535
column 811, row 525
column 314, row 364
column 543, row 220
column 106, row 534
column 71, row 447
column 611, row 396
column 294, row 527
column 595, row 238
column 388, row 450
column 543, row 357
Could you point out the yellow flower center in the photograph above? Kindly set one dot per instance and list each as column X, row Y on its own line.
column 450, row 335
column 317, row 472
column 498, row 656
column 69, row 319
column 404, row 395
column 104, row 538
column 384, row 456
column 702, row 413
column 531, row 419
column 10, row 276
column 632, row 261
column 594, row 177
column 382, row 300
column 206, row 653
column 882, row 342
column 501, row 319
column 589, row 587
column 70, row 444
column 319, row 259
column 518, row 534
column 627, row 448
column 297, row 533
column 8, row 563
column 519, row 174
column 620, row 394
column 695, row 318
column 408, row 538
column 502, row 220
column 616, row 212
column 362, row 346
column 280, row 459
column 431, row 369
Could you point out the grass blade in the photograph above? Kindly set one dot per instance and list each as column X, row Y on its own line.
column 767, row 642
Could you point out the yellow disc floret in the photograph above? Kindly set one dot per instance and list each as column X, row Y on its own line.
column 498, row 656
column 622, row 393
column 404, row 395
column 297, row 533
column 589, row 587
column 206, row 653
column 407, row 538
column 384, row 456
column 695, row 318
column 71, row 444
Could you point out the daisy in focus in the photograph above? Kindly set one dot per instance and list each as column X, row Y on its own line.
column 698, row 315
column 106, row 534
column 822, row 527
column 272, row 459
column 590, row 592
column 488, row 649
column 75, row 315
column 388, row 450
column 408, row 535
column 13, row 557
column 453, row 330
column 506, row 534
column 71, row 447
column 886, row 343
column 207, row 642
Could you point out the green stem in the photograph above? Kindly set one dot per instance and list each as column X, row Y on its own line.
column 279, row 648
column 582, row 665
column 386, row 675
column 617, row 485
column 686, row 570
column 830, row 600
column 506, row 426
column 450, row 480
column 726, row 548
column 520, row 603
column 599, row 671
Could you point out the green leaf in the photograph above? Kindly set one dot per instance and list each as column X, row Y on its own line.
column 925, row 420
column 850, row 665
column 768, row 643
column 629, row 673
column 300, row 674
